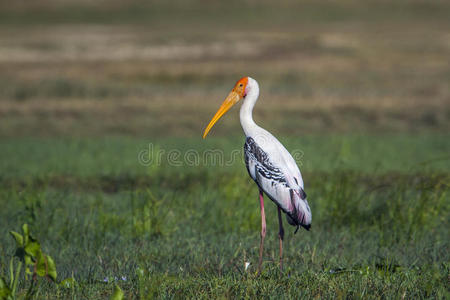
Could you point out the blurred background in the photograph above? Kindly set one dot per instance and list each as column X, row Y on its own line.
column 92, row 90
column 147, row 68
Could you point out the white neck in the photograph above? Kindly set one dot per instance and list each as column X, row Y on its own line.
column 247, row 107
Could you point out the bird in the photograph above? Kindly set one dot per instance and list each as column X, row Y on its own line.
column 269, row 164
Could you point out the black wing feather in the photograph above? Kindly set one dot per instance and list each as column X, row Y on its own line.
column 264, row 167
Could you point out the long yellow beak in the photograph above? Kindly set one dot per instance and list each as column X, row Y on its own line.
column 231, row 99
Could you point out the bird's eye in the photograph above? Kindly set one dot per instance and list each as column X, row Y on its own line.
column 241, row 84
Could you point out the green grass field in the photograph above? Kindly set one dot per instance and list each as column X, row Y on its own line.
column 102, row 107
column 380, row 225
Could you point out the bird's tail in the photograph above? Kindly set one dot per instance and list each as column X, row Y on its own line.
column 300, row 213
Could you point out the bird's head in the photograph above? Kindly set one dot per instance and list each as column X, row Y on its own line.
column 239, row 91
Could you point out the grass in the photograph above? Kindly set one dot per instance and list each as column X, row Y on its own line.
column 102, row 106
column 380, row 227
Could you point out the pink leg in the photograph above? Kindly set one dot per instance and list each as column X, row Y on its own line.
column 281, row 237
column 263, row 230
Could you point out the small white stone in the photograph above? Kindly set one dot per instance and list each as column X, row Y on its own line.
column 246, row 265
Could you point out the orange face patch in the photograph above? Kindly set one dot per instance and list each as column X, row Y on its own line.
column 240, row 86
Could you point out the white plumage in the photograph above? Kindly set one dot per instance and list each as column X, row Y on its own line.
column 269, row 164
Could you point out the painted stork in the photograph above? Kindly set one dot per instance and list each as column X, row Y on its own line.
column 269, row 164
